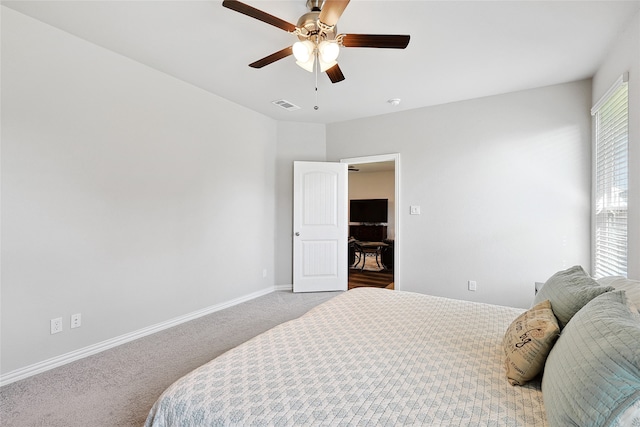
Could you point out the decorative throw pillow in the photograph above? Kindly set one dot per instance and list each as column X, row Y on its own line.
column 568, row 291
column 592, row 375
column 528, row 341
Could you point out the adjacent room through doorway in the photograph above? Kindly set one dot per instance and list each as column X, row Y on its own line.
column 372, row 223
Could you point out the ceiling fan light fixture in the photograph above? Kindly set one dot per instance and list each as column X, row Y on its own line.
column 328, row 50
column 303, row 50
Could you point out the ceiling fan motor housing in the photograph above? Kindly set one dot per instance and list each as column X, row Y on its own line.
column 310, row 25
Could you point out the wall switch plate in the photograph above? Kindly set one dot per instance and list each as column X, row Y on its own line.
column 76, row 320
column 473, row 285
column 56, row 325
column 414, row 210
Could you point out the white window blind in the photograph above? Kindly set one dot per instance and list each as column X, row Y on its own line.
column 611, row 181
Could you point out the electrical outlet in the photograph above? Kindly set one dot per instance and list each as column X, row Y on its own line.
column 56, row 325
column 76, row 320
column 473, row 285
column 264, row 273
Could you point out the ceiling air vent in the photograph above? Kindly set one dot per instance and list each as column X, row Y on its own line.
column 286, row 105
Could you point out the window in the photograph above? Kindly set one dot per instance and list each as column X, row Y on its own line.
column 611, row 176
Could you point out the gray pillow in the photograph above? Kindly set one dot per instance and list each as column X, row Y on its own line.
column 619, row 283
column 592, row 374
column 568, row 291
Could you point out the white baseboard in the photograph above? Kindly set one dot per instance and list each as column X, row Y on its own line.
column 283, row 288
column 54, row 362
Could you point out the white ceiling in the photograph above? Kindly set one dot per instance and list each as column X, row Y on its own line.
column 458, row 49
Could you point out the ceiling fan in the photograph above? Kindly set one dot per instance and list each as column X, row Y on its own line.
column 318, row 42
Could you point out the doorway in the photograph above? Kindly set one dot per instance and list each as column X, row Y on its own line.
column 373, row 246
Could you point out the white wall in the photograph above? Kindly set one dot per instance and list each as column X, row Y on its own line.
column 625, row 56
column 375, row 185
column 296, row 141
column 504, row 186
column 127, row 195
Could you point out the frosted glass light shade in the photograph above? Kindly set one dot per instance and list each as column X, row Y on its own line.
column 328, row 51
column 303, row 50
column 324, row 66
column 307, row 65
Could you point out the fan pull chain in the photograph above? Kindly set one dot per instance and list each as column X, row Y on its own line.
column 315, row 107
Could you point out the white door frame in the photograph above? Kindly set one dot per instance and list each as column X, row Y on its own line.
column 395, row 157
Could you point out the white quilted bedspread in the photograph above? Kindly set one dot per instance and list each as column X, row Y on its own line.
column 366, row 357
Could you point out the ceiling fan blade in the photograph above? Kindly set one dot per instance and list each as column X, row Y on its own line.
column 272, row 58
column 332, row 11
column 245, row 9
column 335, row 74
column 386, row 41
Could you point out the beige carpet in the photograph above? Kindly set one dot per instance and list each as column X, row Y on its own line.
column 118, row 387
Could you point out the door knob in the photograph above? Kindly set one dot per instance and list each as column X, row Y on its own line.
column 297, row 233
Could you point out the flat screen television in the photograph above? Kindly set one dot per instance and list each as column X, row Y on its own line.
column 368, row 210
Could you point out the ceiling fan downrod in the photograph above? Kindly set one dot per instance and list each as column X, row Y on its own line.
column 315, row 5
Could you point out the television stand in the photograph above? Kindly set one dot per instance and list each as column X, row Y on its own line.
column 368, row 233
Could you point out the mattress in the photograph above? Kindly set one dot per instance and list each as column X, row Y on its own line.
column 366, row 357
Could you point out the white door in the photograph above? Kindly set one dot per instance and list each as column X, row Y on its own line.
column 320, row 228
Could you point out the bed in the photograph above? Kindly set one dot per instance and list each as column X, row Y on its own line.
column 366, row 357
